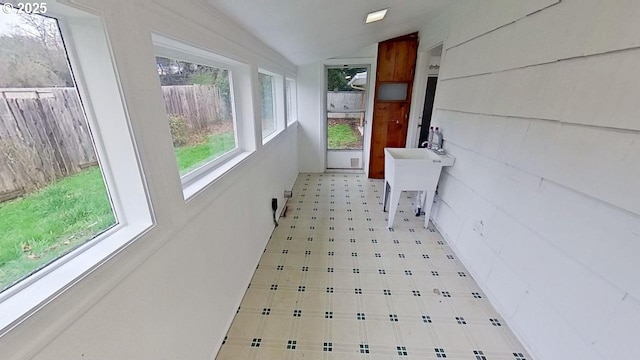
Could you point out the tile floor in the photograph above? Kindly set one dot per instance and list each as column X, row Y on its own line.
column 334, row 283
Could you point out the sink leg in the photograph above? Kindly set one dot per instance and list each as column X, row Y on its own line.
column 428, row 203
column 385, row 200
column 423, row 198
column 394, row 199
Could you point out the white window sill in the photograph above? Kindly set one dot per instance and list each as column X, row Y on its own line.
column 209, row 178
column 20, row 301
column 272, row 136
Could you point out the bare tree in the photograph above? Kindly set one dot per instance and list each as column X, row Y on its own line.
column 34, row 55
column 43, row 28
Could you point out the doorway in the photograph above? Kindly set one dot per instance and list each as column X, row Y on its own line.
column 346, row 103
column 430, row 68
column 430, row 95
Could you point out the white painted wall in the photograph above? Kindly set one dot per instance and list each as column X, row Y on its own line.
column 173, row 293
column 538, row 103
column 311, row 137
column 370, row 51
column 312, row 148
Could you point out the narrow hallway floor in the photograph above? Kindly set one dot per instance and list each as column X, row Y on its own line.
column 335, row 283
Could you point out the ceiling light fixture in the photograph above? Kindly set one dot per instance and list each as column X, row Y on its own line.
column 376, row 16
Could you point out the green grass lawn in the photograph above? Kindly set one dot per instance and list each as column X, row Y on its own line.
column 341, row 136
column 190, row 157
column 45, row 224
column 38, row 227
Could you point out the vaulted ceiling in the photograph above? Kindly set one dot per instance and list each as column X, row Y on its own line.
column 306, row 31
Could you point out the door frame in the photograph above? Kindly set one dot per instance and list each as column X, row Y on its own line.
column 370, row 64
column 419, row 93
column 423, row 130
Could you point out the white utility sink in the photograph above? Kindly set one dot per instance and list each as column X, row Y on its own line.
column 412, row 169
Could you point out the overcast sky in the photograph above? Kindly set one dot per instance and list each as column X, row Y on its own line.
column 8, row 23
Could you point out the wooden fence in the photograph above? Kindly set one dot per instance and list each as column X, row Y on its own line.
column 345, row 101
column 201, row 105
column 44, row 135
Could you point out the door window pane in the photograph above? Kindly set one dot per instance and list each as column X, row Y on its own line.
column 346, row 102
column 345, row 131
column 393, row 92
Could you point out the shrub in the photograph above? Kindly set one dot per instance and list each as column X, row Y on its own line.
column 25, row 166
column 179, row 130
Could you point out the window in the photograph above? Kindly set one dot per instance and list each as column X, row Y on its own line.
column 271, row 104
column 292, row 101
column 268, row 104
column 53, row 197
column 198, row 92
column 71, row 196
column 393, row 91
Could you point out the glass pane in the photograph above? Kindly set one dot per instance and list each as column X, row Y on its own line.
column 52, row 194
column 268, row 102
column 346, row 102
column 199, row 103
column 346, row 79
column 292, row 105
column 391, row 92
column 345, row 131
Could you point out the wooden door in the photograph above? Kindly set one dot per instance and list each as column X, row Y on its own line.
column 397, row 124
column 396, row 65
column 405, row 60
column 386, row 70
column 390, row 123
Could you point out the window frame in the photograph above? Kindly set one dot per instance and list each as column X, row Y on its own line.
column 180, row 50
column 278, row 105
column 99, row 89
column 291, row 99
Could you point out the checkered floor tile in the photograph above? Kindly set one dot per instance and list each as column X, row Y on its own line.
column 335, row 283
